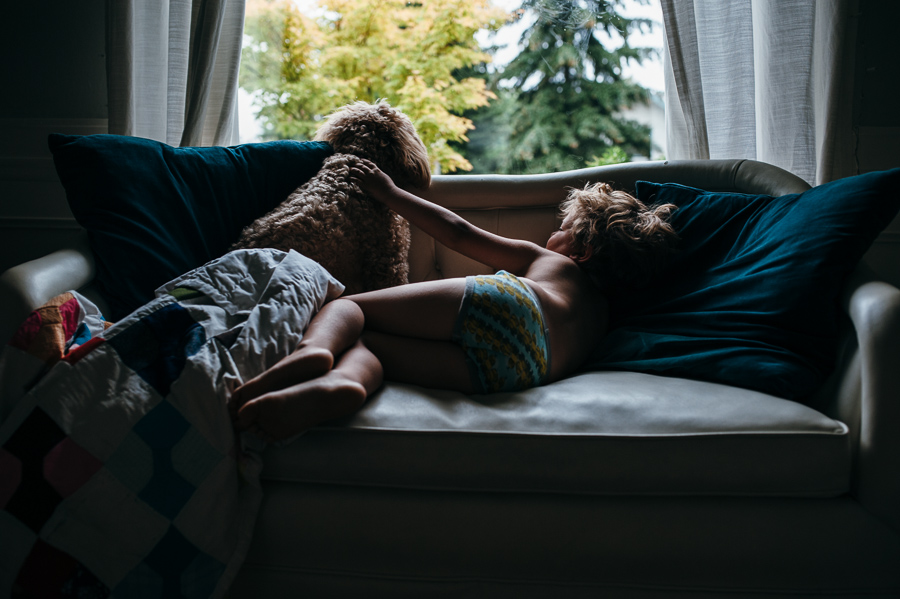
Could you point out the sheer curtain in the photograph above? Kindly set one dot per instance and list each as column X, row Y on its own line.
column 769, row 80
column 173, row 69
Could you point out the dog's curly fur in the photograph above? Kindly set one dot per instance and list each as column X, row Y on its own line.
column 329, row 219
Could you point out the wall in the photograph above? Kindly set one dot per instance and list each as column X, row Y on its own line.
column 54, row 75
column 876, row 113
column 54, row 80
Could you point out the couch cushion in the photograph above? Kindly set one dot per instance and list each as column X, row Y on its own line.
column 751, row 297
column 600, row 432
column 154, row 212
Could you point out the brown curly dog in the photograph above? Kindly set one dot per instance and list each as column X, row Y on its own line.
column 358, row 240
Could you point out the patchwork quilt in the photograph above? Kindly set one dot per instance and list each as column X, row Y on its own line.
column 120, row 472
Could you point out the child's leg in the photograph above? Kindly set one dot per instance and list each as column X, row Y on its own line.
column 334, row 328
column 426, row 310
column 282, row 413
column 415, row 323
column 423, row 362
column 410, row 329
column 420, row 310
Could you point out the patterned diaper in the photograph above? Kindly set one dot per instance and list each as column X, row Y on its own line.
column 502, row 330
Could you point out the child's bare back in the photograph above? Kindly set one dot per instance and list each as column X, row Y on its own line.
column 576, row 313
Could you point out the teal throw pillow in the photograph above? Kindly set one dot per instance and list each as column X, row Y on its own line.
column 153, row 211
column 751, row 297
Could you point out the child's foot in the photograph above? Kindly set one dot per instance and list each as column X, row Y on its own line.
column 287, row 412
column 303, row 364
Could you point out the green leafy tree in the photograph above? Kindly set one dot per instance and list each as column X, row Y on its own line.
column 301, row 68
column 611, row 155
column 562, row 93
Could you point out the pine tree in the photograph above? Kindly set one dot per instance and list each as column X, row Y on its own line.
column 561, row 94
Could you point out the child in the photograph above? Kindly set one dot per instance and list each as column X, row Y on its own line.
column 532, row 323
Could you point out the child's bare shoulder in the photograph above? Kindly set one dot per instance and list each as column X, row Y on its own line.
column 550, row 267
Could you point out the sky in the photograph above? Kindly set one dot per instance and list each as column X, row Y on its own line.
column 649, row 74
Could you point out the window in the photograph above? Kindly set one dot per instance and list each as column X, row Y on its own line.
column 580, row 97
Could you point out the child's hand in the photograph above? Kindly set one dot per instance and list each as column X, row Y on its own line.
column 371, row 179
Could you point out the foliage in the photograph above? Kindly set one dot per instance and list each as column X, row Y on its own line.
column 611, row 155
column 487, row 148
column 563, row 92
column 302, row 68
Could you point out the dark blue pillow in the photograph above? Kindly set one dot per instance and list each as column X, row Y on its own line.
column 153, row 211
column 751, row 297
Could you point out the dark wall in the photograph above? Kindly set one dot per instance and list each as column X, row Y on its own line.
column 876, row 113
column 53, row 72
column 54, row 63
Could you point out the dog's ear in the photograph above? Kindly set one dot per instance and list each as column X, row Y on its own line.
column 410, row 157
column 406, row 164
column 419, row 173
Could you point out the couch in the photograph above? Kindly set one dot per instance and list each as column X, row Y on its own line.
column 611, row 483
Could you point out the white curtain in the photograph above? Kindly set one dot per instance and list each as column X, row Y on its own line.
column 769, row 80
column 172, row 69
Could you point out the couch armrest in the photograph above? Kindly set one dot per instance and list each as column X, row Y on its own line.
column 26, row 286
column 874, row 308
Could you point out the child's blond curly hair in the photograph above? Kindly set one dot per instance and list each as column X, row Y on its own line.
column 629, row 240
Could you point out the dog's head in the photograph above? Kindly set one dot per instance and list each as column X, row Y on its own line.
column 382, row 134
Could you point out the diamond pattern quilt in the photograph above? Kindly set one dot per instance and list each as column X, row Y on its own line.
column 120, row 472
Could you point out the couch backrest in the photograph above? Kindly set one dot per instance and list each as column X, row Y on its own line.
column 526, row 206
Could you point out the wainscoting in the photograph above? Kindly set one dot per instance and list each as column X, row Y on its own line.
column 34, row 217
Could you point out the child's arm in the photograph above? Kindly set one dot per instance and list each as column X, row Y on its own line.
column 446, row 226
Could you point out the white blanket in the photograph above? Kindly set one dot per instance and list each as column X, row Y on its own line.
column 120, row 472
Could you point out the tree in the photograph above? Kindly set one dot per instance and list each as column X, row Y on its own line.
column 563, row 91
column 302, row 68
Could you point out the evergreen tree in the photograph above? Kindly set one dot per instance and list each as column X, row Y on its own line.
column 560, row 95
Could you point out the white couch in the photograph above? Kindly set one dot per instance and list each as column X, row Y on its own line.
column 607, row 484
